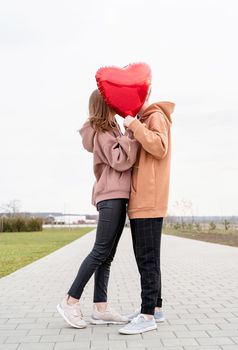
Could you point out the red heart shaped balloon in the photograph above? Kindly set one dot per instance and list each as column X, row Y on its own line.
column 124, row 89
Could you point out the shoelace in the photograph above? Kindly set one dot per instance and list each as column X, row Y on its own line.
column 111, row 310
column 77, row 311
column 136, row 319
column 108, row 309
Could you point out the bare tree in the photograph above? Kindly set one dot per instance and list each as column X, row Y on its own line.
column 183, row 208
column 212, row 226
column 226, row 224
column 12, row 207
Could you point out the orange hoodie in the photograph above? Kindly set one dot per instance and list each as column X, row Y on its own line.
column 151, row 172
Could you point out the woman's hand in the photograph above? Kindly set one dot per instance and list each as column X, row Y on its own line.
column 128, row 120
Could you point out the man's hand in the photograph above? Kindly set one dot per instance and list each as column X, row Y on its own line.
column 127, row 121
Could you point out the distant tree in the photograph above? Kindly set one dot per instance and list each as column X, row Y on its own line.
column 198, row 226
column 226, row 224
column 190, row 226
column 187, row 207
column 183, row 224
column 183, row 208
column 12, row 207
column 212, row 226
column 177, row 226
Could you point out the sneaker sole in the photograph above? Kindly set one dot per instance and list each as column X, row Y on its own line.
column 93, row 321
column 157, row 320
column 61, row 312
column 121, row 331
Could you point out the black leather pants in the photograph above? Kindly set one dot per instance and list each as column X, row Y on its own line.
column 112, row 216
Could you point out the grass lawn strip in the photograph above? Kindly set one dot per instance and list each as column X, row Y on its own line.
column 219, row 236
column 22, row 248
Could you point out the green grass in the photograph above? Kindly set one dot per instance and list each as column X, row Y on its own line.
column 220, row 236
column 22, row 248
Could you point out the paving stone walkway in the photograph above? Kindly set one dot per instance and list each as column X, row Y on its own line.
column 200, row 292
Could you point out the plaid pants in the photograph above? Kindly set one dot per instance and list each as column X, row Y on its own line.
column 146, row 238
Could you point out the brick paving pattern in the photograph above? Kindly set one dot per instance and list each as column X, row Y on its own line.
column 200, row 293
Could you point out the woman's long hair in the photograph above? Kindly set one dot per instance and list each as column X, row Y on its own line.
column 100, row 114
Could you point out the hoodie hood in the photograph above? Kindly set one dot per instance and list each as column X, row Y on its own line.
column 87, row 133
column 166, row 108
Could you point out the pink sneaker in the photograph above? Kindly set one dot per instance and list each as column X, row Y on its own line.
column 110, row 316
column 71, row 313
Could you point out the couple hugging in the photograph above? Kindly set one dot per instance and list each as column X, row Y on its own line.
column 132, row 173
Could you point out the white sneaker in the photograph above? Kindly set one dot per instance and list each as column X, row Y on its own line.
column 110, row 316
column 72, row 314
column 138, row 325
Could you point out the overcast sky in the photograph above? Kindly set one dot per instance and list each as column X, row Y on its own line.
column 49, row 53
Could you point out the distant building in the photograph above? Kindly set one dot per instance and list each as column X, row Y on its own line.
column 67, row 219
column 91, row 221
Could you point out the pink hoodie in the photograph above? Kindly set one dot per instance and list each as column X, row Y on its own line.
column 113, row 154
